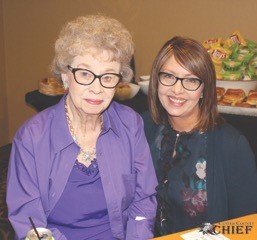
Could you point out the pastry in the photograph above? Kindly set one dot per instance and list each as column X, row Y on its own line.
column 122, row 91
column 220, row 92
column 243, row 104
column 51, row 86
column 233, row 96
column 252, row 97
column 221, row 103
column 252, row 92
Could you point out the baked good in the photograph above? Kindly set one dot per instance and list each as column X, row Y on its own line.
column 51, row 86
column 221, row 103
column 243, row 104
column 233, row 96
column 252, row 92
column 220, row 92
column 252, row 97
column 122, row 91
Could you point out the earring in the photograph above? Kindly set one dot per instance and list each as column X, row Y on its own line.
column 65, row 85
column 201, row 96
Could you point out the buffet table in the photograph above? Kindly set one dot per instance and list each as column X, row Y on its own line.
column 246, row 123
column 41, row 101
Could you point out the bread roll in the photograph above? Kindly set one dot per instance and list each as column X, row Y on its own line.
column 122, row 91
column 221, row 103
column 243, row 104
column 234, row 96
column 220, row 92
column 252, row 97
column 252, row 92
column 51, row 86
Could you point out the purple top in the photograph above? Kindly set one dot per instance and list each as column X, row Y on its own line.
column 43, row 155
column 88, row 217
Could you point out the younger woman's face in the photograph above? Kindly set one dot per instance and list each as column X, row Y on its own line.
column 176, row 100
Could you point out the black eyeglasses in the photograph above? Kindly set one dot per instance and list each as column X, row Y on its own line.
column 190, row 84
column 87, row 77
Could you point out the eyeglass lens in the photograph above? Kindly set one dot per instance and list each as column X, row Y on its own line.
column 86, row 77
column 169, row 79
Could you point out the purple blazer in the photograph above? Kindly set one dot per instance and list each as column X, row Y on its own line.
column 42, row 157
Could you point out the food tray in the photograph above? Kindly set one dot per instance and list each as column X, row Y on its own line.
column 252, row 111
column 246, row 85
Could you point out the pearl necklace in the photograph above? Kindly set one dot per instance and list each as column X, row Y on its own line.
column 87, row 156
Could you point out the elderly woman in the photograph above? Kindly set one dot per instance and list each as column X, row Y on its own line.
column 82, row 168
column 205, row 167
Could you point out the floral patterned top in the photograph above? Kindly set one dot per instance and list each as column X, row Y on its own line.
column 181, row 171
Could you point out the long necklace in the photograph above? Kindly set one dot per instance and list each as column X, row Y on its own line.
column 87, row 156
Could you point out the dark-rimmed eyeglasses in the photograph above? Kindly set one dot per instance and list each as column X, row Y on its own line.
column 87, row 77
column 190, row 84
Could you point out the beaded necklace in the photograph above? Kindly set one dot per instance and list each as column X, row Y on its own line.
column 87, row 156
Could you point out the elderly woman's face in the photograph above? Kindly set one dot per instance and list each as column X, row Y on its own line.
column 93, row 98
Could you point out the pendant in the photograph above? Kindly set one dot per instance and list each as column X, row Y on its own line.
column 88, row 155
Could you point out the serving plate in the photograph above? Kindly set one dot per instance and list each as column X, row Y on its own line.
column 144, row 78
column 246, row 85
column 251, row 111
column 144, row 85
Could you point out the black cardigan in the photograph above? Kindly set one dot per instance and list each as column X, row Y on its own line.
column 231, row 171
